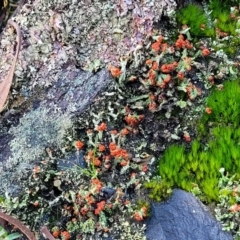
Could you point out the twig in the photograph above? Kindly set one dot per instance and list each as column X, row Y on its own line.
column 46, row 233
column 18, row 225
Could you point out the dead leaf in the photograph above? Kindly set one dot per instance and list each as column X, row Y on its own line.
column 7, row 82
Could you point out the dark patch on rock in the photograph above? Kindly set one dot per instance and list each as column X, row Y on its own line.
column 71, row 94
column 75, row 89
column 106, row 193
column 9, row 118
column 4, row 147
column 183, row 217
column 72, row 160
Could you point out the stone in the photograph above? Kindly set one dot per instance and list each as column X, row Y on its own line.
column 69, row 95
column 25, row 135
column 183, row 217
column 75, row 90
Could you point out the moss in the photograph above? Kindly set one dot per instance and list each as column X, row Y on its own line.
column 220, row 6
column 227, row 27
column 229, row 50
column 222, row 16
column 225, row 105
column 194, row 17
column 199, row 166
column 204, row 21
column 185, row 169
column 159, row 189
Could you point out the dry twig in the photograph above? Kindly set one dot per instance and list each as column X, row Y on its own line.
column 46, row 233
column 17, row 224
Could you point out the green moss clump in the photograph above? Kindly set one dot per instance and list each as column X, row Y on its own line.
column 200, row 165
column 197, row 167
column 194, row 17
column 207, row 22
column 225, row 105
column 160, row 189
column 221, row 10
column 229, row 50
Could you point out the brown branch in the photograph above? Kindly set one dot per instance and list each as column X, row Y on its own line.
column 46, row 233
column 18, row 225
column 7, row 82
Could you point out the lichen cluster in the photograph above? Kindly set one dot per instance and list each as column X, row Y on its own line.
column 227, row 209
column 98, row 197
column 157, row 98
column 58, row 33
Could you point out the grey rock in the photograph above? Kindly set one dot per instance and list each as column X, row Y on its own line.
column 75, row 90
column 183, row 217
column 72, row 160
column 106, row 193
column 69, row 96
column 42, row 123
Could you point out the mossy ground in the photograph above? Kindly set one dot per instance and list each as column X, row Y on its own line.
column 216, row 146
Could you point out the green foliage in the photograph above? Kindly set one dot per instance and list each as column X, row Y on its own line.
column 204, row 21
column 201, row 129
column 159, row 189
column 5, row 236
column 230, row 50
column 219, row 7
column 221, row 13
column 227, row 27
column 185, row 169
column 223, row 17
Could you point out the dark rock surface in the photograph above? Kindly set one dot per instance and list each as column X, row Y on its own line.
column 183, row 217
column 70, row 94
column 40, row 120
column 75, row 90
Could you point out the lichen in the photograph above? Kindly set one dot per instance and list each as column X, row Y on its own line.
column 37, row 130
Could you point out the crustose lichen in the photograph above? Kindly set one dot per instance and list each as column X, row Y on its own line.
column 37, row 130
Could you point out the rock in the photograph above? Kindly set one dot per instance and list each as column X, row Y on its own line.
column 66, row 98
column 106, row 193
column 25, row 135
column 71, row 160
column 75, row 90
column 183, row 217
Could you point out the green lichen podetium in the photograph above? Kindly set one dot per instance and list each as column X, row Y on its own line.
column 199, row 166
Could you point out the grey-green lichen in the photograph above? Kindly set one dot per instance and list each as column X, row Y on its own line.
column 37, row 130
column 57, row 32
